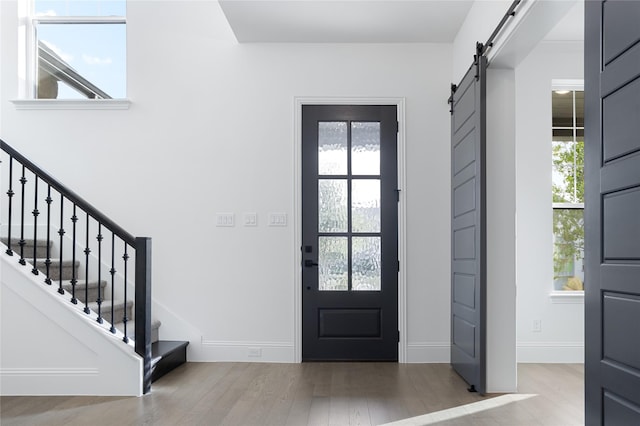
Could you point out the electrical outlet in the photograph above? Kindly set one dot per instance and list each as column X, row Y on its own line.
column 536, row 326
column 255, row 352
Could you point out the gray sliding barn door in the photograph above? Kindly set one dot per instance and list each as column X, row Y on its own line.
column 468, row 227
column 612, row 212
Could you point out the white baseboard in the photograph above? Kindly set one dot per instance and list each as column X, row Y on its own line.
column 244, row 351
column 417, row 352
column 527, row 352
column 550, row 352
column 284, row 352
column 429, row 352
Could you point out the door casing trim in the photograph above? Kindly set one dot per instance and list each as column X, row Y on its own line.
column 297, row 209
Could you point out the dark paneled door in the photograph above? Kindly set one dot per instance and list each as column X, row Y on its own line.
column 468, row 225
column 612, row 212
column 349, row 233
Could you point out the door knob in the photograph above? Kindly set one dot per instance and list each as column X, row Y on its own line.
column 309, row 263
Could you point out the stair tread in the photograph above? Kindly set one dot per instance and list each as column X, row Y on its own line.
column 54, row 261
column 154, row 323
column 92, row 284
column 108, row 302
column 15, row 241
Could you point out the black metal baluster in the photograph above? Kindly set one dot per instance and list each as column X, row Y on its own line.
column 61, row 233
column 23, row 181
column 125, row 257
column 87, row 250
column 35, row 213
column 47, row 262
column 10, row 193
column 74, row 280
column 113, row 277
column 99, row 301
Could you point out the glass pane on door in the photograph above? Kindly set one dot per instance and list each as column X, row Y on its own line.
column 365, row 205
column 333, row 263
column 366, row 260
column 332, row 148
column 365, row 148
column 349, row 201
column 332, row 205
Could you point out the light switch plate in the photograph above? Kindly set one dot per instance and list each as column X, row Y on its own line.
column 277, row 219
column 225, row 219
column 250, row 219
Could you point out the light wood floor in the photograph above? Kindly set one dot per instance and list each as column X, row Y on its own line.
column 318, row 394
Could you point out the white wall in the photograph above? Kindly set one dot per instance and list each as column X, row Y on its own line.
column 210, row 129
column 561, row 338
column 65, row 356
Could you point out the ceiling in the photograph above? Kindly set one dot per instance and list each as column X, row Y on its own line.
column 345, row 21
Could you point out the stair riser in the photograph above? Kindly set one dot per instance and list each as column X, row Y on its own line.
column 118, row 314
column 173, row 355
column 41, row 252
column 155, row 326
column 54, row 270
column 41, row 249
column 93, row 292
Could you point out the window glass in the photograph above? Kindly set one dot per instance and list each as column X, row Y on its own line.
column 568, row 171
column 568, row 249
column 81, row 61
column 567, row 148
column 79, row 49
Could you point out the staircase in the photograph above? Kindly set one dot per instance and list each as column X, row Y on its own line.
column 64, row 272
column 165, row 355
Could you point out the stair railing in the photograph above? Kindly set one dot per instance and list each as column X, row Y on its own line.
column 60, row 199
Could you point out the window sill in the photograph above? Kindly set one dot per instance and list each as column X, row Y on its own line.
column 567, row 297
column 72, row 104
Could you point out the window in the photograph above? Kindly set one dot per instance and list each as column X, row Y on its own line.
column 78, row 49
column 568, row 188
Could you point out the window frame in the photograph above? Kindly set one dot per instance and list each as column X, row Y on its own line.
column 28, row 22
column 567, row 296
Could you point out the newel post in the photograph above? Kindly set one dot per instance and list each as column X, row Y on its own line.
column 143, row 308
